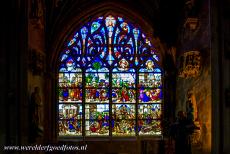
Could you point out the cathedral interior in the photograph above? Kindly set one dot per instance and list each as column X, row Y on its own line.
column 115, row 74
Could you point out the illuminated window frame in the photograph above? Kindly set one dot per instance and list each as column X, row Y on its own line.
column 109, row 82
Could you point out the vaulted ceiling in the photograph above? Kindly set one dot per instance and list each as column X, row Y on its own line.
column 164, row 15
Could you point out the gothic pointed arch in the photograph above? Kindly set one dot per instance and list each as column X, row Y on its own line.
column 109, row 80
column 67, row 25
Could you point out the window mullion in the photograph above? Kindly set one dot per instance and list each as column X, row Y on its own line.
column 83, row 103
column 137, row 100
column 110, row 102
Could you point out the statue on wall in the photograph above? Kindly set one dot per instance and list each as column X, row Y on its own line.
column 36, row 128
column 192, row 116
column 191, row 107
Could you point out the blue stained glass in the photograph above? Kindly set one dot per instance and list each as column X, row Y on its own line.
column 110, row 59
column 102, row 55
column 136, row 33
column 116, row 36
column 64, row 56
column 98, row 37
column 120, row 19
column 72, row 42
column 103, row 32
column 150, row 95
column 119, row 67
column 130, row 42
column 94, row 26
column 67, row 51
column 83, row 61
column 143, row 35
column 79, row 44
column 84, row 32
column 110, row 23
column 157, row 70
column 125, row 27
column 100, row 17
column 136, row 61
column 103, row 69
column 153, row 70
column 76, row 35
column 122, row 70
column 156, row 57
column 88, row 58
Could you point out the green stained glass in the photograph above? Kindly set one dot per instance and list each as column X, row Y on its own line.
column 97, row 119
column 109, row 81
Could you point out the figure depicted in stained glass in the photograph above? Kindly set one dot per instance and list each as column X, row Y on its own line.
column 146, row 96
column 124, row 95
column 93, row 94
column 139, row 123
column 94, row 127
column 103, row 95
column 156, row 94
column 149, row 65
column 65, row 94
column 70, row 119
column 98, row 123
column 115, row 59
column 71, row 123
column 123, row 64
column 77, row 94
column 62, row 128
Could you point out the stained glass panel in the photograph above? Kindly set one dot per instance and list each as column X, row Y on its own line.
column 70, row 95
column 70, row 119
column 124, row 80
column 123, row 120
column 70, row 80
column 123, row 111
column 149, row 127
column 97, row 80
column 97, row 119
column 149, row 111
column 97, row 127
column 97, row 95
column 147, row 95
column 105, row 68
column 123, row 95
column 151, row 80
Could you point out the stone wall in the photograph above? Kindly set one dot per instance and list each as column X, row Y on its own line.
column 191, row 39
column 36, row 59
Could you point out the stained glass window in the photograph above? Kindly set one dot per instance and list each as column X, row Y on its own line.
column 109, row 81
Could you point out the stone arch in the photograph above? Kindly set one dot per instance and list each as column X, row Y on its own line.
column 67, row 27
